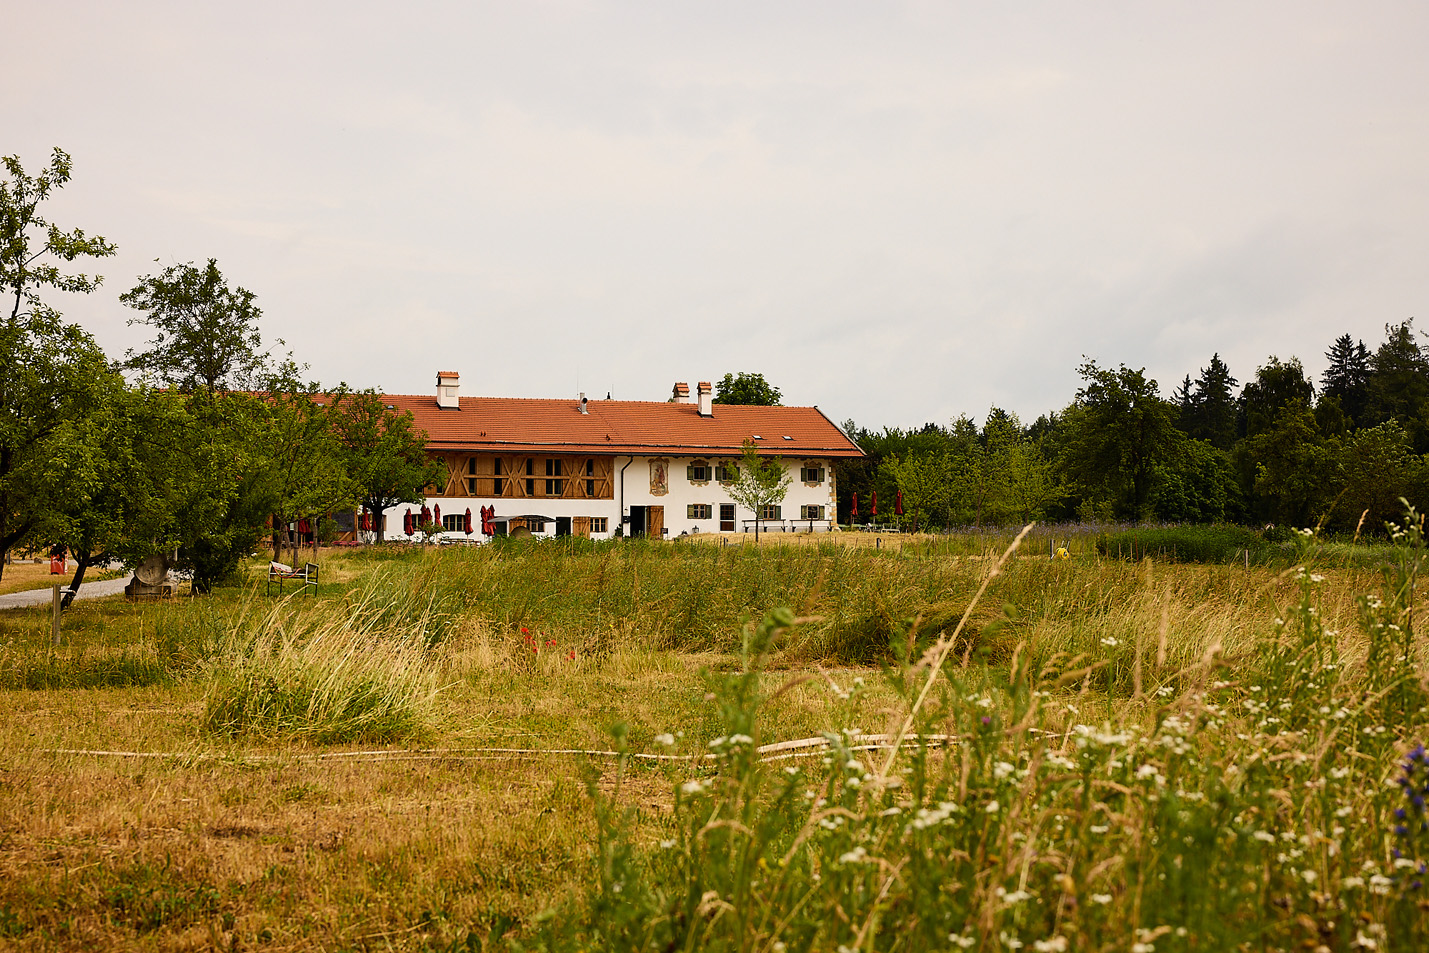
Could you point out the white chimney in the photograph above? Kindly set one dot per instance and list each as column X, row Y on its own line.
column 706, row 399
column 681, row 393
column 447, row 389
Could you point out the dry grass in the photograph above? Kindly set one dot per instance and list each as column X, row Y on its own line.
column 25, row 574
column 237, row 842
column 243, row 841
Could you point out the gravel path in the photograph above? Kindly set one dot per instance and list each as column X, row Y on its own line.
column 42, row 597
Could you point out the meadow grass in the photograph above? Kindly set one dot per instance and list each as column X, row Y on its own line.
column 1128, row 707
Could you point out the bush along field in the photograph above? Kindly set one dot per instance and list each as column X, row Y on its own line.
column 647, row 746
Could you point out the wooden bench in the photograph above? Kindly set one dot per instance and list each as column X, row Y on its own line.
column 307, row 576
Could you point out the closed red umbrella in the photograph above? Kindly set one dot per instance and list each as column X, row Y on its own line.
column 426, row 514
column 873, row 504
column 898, row 503
column 437, row 514
column 853, row 510
column 407, row 522
column 466, row 522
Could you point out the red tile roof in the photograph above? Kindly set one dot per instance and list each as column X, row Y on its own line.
column 516, row 424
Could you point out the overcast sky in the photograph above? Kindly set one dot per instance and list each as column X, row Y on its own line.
column 900, row 212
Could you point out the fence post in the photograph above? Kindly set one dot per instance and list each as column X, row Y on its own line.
column 55, row 634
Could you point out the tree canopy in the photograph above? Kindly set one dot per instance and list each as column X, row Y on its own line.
column 51, row 368
column 32, row 248
column 382, row 452
column 206, row 332
column 747, row 388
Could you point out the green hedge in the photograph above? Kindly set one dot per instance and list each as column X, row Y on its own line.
column 1192, row 544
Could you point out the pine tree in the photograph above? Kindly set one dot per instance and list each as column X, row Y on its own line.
column 1347, row 377
column 1212, row 413
column 1399, row 384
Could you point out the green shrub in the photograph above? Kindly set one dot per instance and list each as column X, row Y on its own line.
column 1193, row 544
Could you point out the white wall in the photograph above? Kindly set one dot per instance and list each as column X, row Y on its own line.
column 681, row 493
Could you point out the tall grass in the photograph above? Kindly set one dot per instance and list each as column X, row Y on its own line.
column 355, row 676
column 860, row 603
column 1258, row 803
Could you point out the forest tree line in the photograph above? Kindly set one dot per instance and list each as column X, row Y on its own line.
column 1280, row 450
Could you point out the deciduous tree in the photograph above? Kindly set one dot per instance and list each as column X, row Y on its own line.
column 121, row 480
column 1115, row 437
column 1278, row 385
column 746, row 388
column 206, row 332
column 383, row 454
column 47, row 367
column 305, row 465
column 762, row 482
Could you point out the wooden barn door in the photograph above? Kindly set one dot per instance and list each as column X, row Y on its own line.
column 580, row 526
column 655, row 521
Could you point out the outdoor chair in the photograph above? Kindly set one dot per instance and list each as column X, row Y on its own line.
column 307, row 577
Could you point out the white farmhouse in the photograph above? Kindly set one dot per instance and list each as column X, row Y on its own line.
column 588, row 467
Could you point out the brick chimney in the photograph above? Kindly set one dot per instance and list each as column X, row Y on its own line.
column 706, row 399
column 447, row 390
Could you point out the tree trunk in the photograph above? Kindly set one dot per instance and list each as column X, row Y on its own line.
column 83, row 561
column 376, row 520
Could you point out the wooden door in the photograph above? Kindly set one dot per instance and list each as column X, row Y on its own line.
column 655, row 521
column 726, row 517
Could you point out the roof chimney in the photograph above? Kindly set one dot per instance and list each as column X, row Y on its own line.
column 706, row 399
column 582, row 405
column 446, row 390
column 681, row 393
